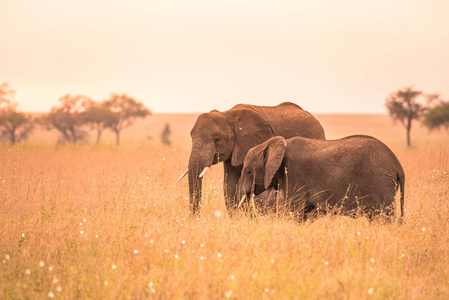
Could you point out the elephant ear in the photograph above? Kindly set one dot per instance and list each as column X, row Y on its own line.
column 273, row 154
column 250, row 130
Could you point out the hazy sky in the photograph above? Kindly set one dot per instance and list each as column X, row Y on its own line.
column 193, row 56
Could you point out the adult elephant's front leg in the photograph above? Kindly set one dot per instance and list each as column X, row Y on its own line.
column 230, row 186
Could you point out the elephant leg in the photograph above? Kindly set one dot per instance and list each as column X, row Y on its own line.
column 230, row 186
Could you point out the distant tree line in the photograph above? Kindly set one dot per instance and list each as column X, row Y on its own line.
column 71, row 117
column 408, row 104
column 75, row 114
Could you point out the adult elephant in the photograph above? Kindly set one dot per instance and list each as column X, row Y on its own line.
column 227, row 136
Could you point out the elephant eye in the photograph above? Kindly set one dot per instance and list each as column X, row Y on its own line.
column 216, row 140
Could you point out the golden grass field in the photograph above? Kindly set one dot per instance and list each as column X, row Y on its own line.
column 111, row 222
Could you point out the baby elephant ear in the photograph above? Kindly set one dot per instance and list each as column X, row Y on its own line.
column 273, row 155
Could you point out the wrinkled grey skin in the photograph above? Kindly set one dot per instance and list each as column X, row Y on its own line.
column 267, row 201
column 350, row 175
column 227, row 136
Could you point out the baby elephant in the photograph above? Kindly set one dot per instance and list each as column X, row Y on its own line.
column 356, row 174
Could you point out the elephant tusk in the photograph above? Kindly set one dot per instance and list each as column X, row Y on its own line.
column 243, row 200
column 204, row 172
column 183, row 174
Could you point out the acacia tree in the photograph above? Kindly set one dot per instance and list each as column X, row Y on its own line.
column 99, row 116
column 15, row 126
column 437, row 116
column 126, row 110
column 68, row 118
column 406, row 105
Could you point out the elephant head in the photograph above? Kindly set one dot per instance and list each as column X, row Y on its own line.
column 260, row 167
column 222, row 137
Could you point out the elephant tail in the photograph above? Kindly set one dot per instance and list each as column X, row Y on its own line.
column 401, row 182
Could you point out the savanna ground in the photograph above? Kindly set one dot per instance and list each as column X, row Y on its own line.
column 111, row 222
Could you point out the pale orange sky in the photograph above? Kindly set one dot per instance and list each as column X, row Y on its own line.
column 193, row 56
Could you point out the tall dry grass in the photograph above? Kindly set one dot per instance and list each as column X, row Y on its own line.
column 106, row 223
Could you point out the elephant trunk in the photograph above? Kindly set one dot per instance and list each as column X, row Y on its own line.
column 201, row 157
column 195, row 183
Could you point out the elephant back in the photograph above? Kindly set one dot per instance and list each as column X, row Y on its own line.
column 289, row 120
